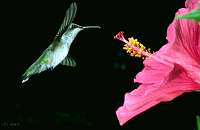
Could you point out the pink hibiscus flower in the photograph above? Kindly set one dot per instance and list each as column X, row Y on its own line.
column 167, row 73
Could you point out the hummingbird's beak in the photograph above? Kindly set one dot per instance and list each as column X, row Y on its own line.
column 86, row 27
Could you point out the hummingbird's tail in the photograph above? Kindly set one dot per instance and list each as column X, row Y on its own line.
column 29, row 72
column 86, row 27
column 25, row 77
column 33, row 69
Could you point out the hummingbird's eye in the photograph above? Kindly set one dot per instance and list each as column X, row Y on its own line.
column 72, row 26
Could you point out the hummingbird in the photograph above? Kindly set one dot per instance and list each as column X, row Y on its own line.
column 57, row 52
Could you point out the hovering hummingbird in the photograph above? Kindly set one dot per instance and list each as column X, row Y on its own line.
column 57, row 52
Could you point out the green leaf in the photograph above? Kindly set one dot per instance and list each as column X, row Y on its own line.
column 198, row 122
column 194, row 14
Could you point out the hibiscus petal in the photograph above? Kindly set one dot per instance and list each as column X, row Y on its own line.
column 149, row 95
column 187, row 34
column 191, row 4
column 168, row 73
column 154, row 71
column 183, row 47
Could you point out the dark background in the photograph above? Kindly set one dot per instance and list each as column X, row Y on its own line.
column 85, row 97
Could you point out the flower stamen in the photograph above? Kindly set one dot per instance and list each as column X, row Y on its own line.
column 133, row 46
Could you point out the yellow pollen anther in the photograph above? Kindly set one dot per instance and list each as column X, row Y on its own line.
column 137, row 55
column 135, row 48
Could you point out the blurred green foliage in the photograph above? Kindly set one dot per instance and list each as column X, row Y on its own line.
column 198, row 122
column 194, row 14
column 72, row 118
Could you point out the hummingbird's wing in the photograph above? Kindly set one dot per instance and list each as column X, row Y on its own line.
column 69, row 17
column 69, row 61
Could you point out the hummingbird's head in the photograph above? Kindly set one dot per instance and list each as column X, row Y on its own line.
column 76, row 26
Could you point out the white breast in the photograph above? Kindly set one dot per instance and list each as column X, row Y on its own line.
column 59, row 54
